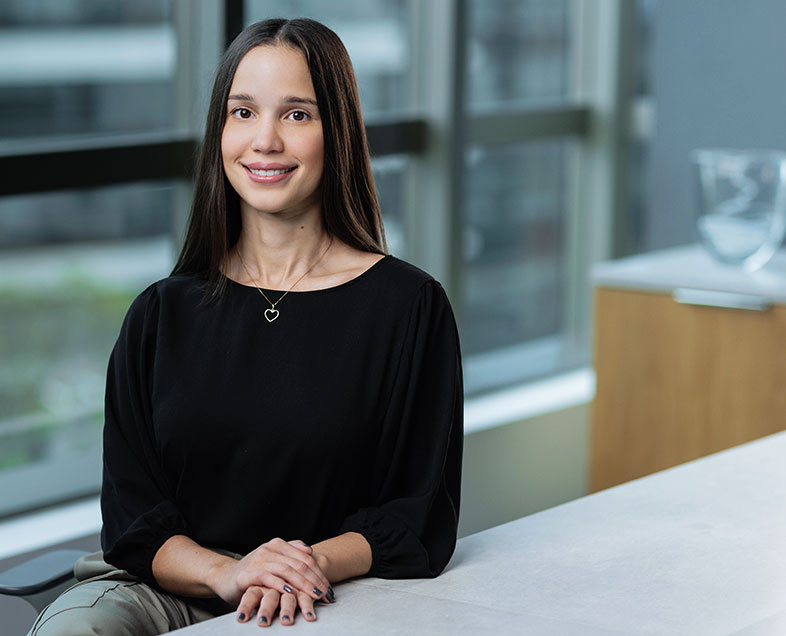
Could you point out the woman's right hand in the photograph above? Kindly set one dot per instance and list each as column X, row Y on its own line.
column 288, row 567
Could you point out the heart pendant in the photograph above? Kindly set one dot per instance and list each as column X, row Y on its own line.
column 271, row 314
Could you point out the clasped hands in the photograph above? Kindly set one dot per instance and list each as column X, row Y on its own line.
column 278, row 575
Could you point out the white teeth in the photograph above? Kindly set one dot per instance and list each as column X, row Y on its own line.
column 269, row 173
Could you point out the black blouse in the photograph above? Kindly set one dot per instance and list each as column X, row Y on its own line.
column 344, row 414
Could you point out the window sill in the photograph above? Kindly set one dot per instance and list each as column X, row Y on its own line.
column 529, row 400
column 48, row 527
column 71, row 521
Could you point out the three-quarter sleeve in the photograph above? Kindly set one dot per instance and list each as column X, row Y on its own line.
column 412, row 525
column 137, row 506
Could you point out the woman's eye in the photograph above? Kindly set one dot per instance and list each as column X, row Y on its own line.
column 242, row 113
column 298, row 115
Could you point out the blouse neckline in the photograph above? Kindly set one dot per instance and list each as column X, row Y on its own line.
column 346, row 283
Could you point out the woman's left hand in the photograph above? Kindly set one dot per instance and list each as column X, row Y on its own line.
column 268, row 601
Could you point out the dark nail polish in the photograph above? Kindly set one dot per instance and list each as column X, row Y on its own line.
column 317, row 591
column 241, row 616
column 309, row 614
column 288, row 589
column 263, row 619
column 330, row 595
column 286, row 618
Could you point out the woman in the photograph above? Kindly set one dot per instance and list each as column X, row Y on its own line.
column 290, row 393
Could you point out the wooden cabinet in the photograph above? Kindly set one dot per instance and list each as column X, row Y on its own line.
column 676, row 380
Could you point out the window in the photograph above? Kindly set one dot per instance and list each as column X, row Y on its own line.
column 77, row 81
column 70, row 265
column 520, row 52
column 85, row 68
column 516, row 262
column 491, row 148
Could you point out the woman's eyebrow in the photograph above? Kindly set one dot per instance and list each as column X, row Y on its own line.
column 293, row 99
column 289, row 99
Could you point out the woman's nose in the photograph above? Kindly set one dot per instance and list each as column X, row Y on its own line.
column 267, row 137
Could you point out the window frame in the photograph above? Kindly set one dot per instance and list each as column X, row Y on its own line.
column 595, row 118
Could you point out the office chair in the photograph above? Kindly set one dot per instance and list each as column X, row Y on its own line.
column 41, row 580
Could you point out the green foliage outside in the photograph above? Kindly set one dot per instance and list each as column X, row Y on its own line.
column 54, row 348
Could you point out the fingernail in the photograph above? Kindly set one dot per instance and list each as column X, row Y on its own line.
column 309, row 615
column 241, row 616
column 317, row 591
column 286, row 618
column 263, row 619
column 330, row 595
column 288, row 589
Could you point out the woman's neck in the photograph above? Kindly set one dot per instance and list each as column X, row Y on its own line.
column 275, row 251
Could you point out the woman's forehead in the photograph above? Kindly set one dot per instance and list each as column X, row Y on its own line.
column 273, row 68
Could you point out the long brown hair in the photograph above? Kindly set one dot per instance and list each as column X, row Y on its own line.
column 350, row 208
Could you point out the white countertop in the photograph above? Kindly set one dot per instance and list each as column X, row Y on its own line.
column 697, row 549
column 692, row 267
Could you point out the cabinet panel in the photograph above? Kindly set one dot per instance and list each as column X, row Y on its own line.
column 676, row 382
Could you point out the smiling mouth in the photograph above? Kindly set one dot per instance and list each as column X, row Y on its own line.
column 269, row 173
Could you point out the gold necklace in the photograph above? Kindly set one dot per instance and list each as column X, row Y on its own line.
column 272, row 313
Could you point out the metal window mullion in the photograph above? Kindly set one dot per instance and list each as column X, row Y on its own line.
column 529, row 125
column 456, row 165
column 600, row 82
column 234, row 20
column 90, row 167
column 597, row 189
column 200, row 42
column 578, row 220
column 396, row 137
column 435, row 191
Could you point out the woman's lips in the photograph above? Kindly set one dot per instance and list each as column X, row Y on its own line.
column 269, row 174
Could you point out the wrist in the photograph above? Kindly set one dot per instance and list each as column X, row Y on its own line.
column 323, row 562
column 217, row 572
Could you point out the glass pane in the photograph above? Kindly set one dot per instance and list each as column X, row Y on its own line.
column 519, row 51
column 376, row 34
column 70, row 265
column 515, row 262
column 71, row 68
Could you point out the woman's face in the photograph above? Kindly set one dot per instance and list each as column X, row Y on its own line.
column 272, row 146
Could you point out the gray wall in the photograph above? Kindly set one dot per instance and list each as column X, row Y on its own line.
column 523, row 467
column 718, row 79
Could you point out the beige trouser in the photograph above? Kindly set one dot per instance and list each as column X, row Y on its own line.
column 110, row 601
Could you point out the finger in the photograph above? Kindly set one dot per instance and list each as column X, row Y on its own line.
column 268, row 607
column 282, row 578
column 248, row 603
column 288, row 606
column 306, row 605
column 298, row 552
column 298, row 577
